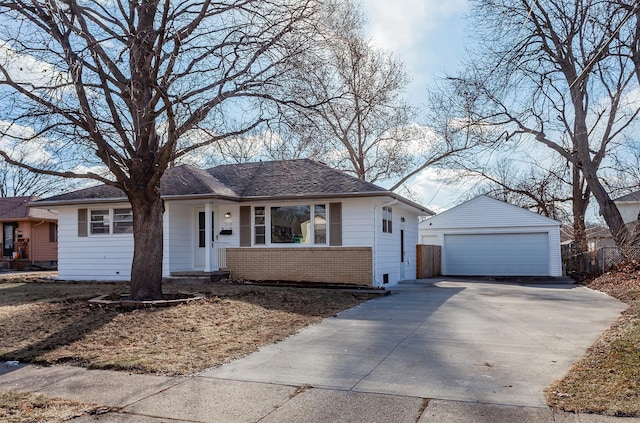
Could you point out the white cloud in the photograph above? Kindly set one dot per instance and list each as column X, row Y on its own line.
column 439, row 189
column 26, row 69
column 427, row 35
column 20, row 143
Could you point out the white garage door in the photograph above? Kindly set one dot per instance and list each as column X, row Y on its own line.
column 523, row 254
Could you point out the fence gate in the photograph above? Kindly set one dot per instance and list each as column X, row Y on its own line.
column 428, row 261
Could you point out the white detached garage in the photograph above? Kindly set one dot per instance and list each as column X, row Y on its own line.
column 487, row 237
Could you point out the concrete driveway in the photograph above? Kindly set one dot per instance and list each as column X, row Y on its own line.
column 495, row 343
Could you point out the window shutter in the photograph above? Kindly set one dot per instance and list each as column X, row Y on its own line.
column 245, row 226
column 82, row 222
column 335, row 224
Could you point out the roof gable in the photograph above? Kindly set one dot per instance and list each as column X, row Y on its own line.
column 486, row 212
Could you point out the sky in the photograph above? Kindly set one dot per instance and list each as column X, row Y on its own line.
column 428, row 36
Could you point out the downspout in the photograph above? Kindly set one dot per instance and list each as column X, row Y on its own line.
column 32, row 231
column 375, row 237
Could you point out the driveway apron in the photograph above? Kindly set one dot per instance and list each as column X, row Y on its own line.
column 464, row 340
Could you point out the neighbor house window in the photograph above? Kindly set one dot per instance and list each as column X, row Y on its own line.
column 387, row 218
column 99, row 222
column 259, row 221
column 122, row 221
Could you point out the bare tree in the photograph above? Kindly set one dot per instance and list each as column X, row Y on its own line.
column 551, row 72
column 139, row 84
column 363, row 125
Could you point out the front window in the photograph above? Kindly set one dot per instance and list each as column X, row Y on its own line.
column 291, row 225
column 100, row 222
column 387, row 218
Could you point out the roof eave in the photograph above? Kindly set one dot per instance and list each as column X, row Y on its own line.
column 340, row 195
column 87, row 201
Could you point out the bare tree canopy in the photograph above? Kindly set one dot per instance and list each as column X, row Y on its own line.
column 132, row 86
column 557, row 73
column 363, row 125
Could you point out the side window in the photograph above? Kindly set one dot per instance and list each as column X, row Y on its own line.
column 99, row 223
column 387, row 219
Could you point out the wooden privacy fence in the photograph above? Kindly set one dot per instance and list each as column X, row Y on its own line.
column 428, row 261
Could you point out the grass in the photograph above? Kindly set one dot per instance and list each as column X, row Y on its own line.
column 607, row 379
column 49, row 323
column 18, row 407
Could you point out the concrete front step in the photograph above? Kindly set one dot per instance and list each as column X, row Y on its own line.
column 213, row 276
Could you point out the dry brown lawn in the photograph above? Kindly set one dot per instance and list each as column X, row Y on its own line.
column 607, row 379
column 51, row 323
column 28, row 407
column 48, row 322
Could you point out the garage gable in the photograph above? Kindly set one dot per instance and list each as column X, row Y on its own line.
column 484, row 212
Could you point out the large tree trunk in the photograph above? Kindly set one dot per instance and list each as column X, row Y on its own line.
column 579, row 203
column 146, row 269
column 608, row 208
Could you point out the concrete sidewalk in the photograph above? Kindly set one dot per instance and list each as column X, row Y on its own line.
column 453, row 351
column 155, row 399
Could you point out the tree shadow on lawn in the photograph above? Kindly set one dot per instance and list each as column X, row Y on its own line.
column 16, row 292
column 52, row 323
column 34, row 331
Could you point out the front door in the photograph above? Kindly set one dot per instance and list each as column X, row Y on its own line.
column 8, row 230
column 200, row 241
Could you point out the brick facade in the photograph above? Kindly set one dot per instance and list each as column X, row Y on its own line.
column 326, row 264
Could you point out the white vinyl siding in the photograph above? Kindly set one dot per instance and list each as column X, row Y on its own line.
column 178, row 238
column 514, row 254
column 358, row 223
column 101, row 258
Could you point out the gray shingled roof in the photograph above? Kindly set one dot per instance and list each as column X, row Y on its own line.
column 286, row 178
column 16, row 208
column 271, row 179
column 634, row 196
column 176, row 181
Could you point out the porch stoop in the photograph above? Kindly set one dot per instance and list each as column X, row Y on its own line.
column 213, row 276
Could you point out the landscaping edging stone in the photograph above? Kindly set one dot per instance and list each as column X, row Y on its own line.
column 124, row 302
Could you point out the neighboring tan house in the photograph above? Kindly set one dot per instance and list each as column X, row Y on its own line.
column 487, row 237
column 29, row 237
column 295, row 220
